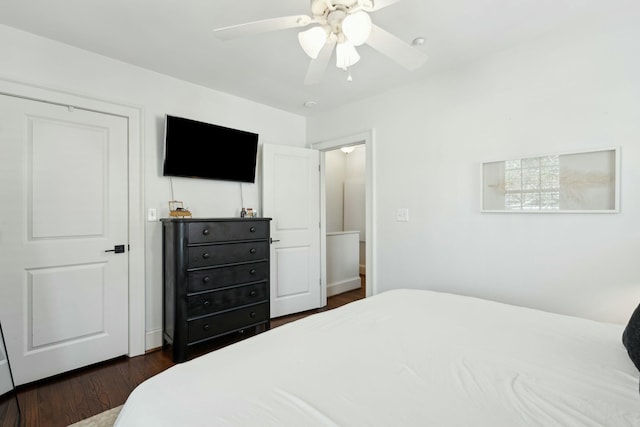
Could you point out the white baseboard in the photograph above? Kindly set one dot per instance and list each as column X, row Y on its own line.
column 343, row 286
column 363, row 269
column 153, row 339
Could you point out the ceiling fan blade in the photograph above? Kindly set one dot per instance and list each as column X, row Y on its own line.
column 264, row 26
column 391, row 46
column 379, row 4
column 317, row 67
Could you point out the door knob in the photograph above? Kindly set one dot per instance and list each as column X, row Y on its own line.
column 117, row 249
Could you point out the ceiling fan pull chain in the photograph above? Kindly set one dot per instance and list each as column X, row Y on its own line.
column 349, row 78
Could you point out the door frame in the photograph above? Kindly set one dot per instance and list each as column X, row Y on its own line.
column 136, row 224
column 366, row 138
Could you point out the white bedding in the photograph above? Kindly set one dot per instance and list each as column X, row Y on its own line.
column 404, row 358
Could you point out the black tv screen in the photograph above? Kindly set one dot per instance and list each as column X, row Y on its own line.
column 203, row 150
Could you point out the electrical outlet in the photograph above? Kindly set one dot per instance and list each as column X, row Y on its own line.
column 152, row 215
column 402, row 215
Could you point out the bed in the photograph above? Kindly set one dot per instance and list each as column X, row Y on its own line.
column 405, row 358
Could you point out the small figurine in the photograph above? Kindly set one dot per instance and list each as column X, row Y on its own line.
column 176, row 209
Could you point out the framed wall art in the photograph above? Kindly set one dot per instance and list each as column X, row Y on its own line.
column 585, row 181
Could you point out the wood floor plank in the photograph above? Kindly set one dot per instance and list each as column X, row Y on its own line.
column 8, row 410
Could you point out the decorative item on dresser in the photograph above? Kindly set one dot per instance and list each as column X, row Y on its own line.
column 216, row 279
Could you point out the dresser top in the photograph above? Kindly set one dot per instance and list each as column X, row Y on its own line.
column 212, row 219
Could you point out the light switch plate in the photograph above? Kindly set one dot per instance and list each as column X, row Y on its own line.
column 402, row 215
column 152, row 215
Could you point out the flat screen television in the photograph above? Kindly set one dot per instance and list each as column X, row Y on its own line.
column 203, row 150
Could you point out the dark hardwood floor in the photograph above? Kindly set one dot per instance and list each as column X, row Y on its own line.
column 332, row 302
column 74, row 396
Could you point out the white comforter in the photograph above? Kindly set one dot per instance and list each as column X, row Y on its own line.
column 405, row 358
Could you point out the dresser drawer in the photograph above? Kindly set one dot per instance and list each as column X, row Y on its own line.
column 210, row 255
column 220, row 277
column 230, row 321
column 211, row 302
column 209, row 232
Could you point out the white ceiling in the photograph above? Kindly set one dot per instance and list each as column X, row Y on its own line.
column 175, row 37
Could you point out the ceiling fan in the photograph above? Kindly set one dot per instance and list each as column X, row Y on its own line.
column 339, row 24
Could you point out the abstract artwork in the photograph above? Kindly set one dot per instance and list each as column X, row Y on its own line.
column 574, row 182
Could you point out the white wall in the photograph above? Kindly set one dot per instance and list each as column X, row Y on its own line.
column 334, row 163
column 354, row 192
column 345, row 194
column 341, row 169
column 355, row 199
column 576, row 88
column 35, row 60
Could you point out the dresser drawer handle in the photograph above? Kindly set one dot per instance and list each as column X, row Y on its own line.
column 252, row 271
column 205, row 231
column 253, row 314
column 253, row 293
column 252, row 250
column 206, row 303
column 206, row 279
column 206, row 255
column 252, row 229
column 205, row 327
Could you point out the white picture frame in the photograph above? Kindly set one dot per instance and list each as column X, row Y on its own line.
column 576, row 182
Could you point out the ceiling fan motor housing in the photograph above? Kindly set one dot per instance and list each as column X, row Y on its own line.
column 322, row 8
column 331, row 13
column 334, row 19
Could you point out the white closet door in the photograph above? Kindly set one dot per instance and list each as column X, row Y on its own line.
column 291, row 197
column 63, row 299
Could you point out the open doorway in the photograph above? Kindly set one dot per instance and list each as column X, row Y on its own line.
column 345, row 204
column 357, row 222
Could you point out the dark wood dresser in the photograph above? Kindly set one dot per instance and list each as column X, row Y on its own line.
column 216, row 279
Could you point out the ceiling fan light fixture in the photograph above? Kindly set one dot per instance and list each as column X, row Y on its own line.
column 357, row 27
column 348, row 150
column 312, row 41
column 346, row 55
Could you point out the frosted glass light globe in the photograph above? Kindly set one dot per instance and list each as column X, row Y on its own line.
column 312, row 41
column 357, row 27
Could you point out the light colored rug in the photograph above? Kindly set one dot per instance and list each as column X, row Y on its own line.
column 103, row 419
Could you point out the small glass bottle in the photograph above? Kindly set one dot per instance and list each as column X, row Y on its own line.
column 243, row 212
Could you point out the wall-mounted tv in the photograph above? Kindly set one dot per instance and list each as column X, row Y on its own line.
column 203, row 150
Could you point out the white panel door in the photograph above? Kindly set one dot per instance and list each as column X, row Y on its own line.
column 6, row 383
column 291, row 197
column 63, row 299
